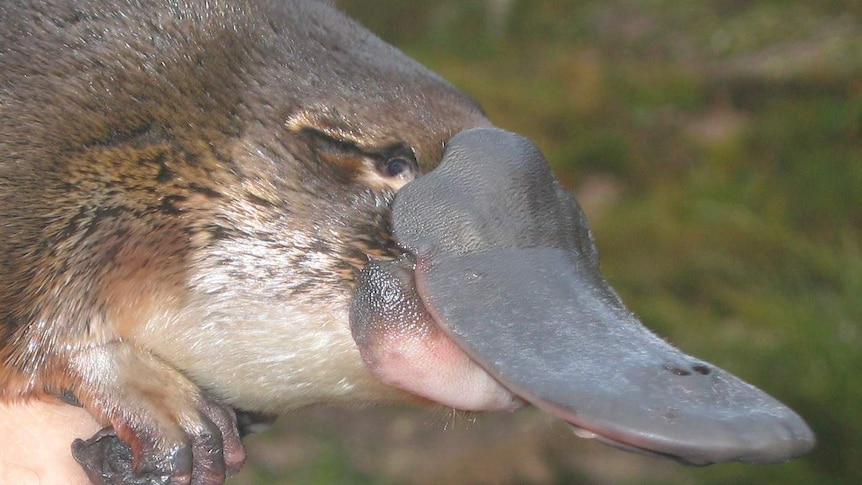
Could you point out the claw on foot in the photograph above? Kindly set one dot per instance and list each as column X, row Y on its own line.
column 165, row 430
column 107, row 460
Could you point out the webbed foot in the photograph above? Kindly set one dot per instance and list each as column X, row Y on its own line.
column 107, row 460
column 165, row 430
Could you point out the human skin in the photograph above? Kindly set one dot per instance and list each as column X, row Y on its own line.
column 36, row 443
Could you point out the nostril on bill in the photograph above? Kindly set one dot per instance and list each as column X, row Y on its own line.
column 701, row 369
column 676, row 370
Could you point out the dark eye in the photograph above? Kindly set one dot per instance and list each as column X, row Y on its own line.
column 398, row 167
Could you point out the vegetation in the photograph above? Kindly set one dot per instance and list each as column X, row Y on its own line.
column 717, row 149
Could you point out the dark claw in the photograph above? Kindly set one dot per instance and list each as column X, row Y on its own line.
column 108, row 461
column 227, row 435
column 210, row 451
column 208, row 443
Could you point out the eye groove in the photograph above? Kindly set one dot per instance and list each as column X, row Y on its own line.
column 395, row 161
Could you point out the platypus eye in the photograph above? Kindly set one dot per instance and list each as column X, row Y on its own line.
column 398, row 167
column 397, row 162
column 389, row 166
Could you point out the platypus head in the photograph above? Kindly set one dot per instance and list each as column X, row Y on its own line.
column 345, row 224
column 470, row 274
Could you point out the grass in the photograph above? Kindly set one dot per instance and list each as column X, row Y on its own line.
column 717, row 148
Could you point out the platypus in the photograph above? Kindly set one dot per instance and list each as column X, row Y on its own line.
column 221, row 206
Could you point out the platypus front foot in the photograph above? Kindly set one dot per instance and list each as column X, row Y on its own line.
column 107, row 460
column 165, row 430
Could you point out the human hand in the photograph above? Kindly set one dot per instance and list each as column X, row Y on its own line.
column 35, row 443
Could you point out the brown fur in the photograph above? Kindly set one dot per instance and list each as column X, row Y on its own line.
column 171, row 171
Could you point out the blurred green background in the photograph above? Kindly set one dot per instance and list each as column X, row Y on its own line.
column 716, row 147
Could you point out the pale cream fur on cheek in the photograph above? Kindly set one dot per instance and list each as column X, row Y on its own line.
column 36, row 445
